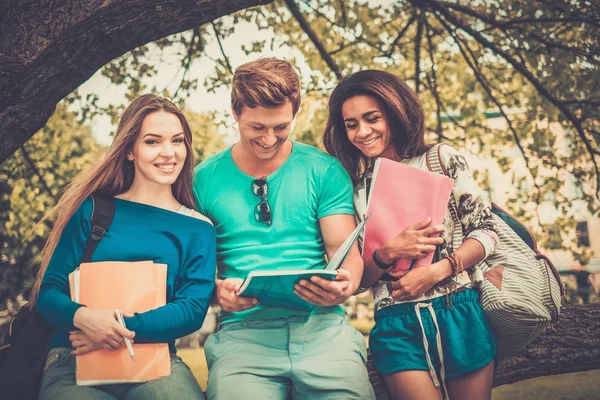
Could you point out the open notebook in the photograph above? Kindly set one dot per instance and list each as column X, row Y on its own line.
column 129, row 287
column 275, row 288
column 401, row 196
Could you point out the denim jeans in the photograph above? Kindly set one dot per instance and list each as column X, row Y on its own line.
column 58, row 382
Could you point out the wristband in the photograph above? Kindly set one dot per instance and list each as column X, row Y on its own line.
column 456, row 262
column 379, row 262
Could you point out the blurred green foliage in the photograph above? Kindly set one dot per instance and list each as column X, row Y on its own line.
column 515, row 82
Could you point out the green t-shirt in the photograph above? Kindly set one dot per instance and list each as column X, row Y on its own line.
column 308, row 186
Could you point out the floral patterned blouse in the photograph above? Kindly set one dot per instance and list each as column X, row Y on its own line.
column 474, row 214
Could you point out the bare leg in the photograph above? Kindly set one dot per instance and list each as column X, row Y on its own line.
column 412, row 385
column 476, row 385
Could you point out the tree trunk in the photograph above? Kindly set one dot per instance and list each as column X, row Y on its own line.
column 572, row 345
column 48, row 48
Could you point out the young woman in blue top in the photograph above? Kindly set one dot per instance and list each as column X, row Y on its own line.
column 148, row 169
column 431, row 339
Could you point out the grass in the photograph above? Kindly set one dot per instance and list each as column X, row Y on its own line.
column 195, row 359
column 575, row 386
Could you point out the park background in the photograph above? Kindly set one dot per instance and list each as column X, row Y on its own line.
column 513, row 85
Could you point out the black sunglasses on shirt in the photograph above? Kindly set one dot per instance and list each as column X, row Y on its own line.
column 262, row 211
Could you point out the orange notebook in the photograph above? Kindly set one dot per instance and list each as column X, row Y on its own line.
column 400, row 196
column 129, row 287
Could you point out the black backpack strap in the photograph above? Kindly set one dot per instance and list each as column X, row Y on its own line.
column 102, row 216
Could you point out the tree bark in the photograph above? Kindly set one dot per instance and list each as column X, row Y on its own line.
column 48, row 48
column 571, row 345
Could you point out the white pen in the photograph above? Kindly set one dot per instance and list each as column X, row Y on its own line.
column 127, row 341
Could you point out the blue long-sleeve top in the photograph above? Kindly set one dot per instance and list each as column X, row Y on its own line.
column 138, row 233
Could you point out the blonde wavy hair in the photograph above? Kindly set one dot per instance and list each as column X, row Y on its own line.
column 114, row 174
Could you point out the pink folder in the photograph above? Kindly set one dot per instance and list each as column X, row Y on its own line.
column 401, row 196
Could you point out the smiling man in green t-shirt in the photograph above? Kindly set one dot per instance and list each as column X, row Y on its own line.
column 279, row 204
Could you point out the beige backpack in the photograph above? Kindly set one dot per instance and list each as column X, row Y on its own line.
column 521, row 291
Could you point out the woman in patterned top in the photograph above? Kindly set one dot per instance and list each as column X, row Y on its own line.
column 431, row 338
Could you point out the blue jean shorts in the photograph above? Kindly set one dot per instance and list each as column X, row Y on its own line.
column 467, row 338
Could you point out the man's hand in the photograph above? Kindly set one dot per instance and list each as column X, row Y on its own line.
column 324, row 292
column 227, row 298
column 102, row 327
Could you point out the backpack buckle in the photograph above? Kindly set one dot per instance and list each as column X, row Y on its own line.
column 97, row 233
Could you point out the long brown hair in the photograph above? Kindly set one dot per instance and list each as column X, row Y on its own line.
column 401, row 107
column 114, row 174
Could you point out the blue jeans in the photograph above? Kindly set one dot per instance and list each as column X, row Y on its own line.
column 58, row 382
column 314, row 357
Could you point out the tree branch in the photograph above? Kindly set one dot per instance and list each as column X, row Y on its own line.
column 334, row 23
column 47, row 51
column 400, row 35
column 442, row 137
column 585, row 102
column 495, row 24
column 321, row 15
column 313, row 37
column 218, row 36
column 343, row 16
column 433, row 82
column 36, row 171
column 522, row 69
column 524, row 21
column 187, row 61
column 499, row 24
column 471, row 61
column 418, row 38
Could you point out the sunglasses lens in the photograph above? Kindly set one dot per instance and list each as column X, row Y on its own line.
column 260, row 188
column 262, row 213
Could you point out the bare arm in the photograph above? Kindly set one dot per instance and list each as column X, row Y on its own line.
column 420, row 280
column 335, row 229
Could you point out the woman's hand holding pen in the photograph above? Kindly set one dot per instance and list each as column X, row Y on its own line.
column 414, row 242
column 102, row 327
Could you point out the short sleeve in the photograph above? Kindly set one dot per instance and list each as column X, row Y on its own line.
column 474, row 212
column 336, row 192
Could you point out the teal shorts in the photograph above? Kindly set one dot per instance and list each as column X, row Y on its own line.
column 320, row 356
column 467, row 338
